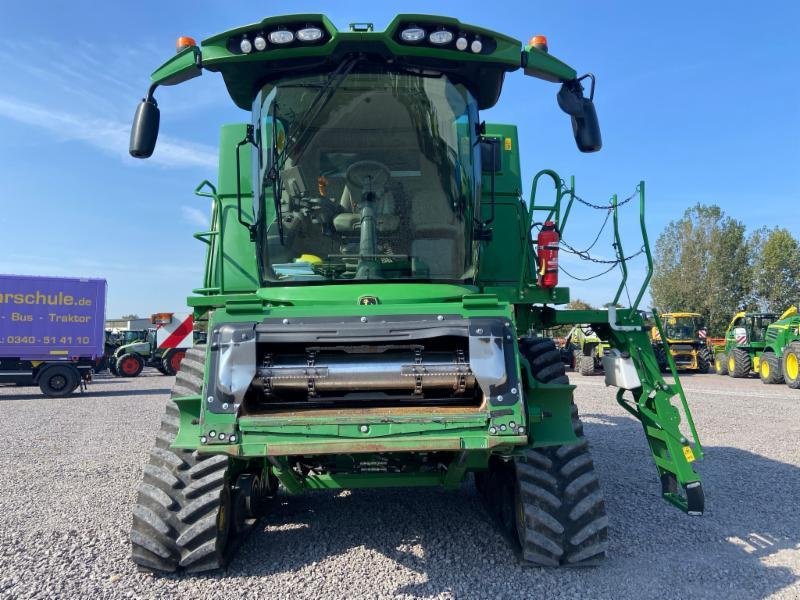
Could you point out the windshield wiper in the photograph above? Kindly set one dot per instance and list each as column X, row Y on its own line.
column 329, row 87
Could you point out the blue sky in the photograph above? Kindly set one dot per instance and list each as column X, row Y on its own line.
column 698, row 99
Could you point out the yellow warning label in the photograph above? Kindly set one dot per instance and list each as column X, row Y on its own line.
column 59, row 352
column 687, row 452
column 507, row 144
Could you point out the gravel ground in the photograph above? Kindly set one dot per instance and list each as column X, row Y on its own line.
column 70, row 469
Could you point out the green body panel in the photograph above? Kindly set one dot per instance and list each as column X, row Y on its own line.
column 504, row 288
column 781, row 333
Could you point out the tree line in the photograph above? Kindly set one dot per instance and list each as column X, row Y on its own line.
column 707, row 262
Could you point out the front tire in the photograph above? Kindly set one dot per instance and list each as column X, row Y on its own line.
column 739, row 363
column 769, row 368
column 791, row 365
column 548, row 500
column 185, row 517
column 585, row 365
column 704, row 360
column 130, row 365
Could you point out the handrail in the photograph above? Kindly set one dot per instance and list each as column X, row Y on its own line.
column 205, row 236
column 563, row 224
column 620, row 252
column 646, row 245
column 558, row 183
column 206, row 183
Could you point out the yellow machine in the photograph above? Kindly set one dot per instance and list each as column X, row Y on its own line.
column 686, row 340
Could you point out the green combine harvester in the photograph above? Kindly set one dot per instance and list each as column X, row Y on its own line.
column 374, row 293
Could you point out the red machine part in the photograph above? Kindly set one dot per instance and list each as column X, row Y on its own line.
column 547, row 252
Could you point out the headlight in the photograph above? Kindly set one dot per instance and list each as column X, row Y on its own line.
column 412, row 34
column 309, row 34
column 246, row 46
column 260, row 43
column 441, row 37
column 462, row 43
column 476, row 46
column 281, row 37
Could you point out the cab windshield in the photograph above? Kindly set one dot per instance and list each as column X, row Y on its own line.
column 374, row 171
column 682, row 328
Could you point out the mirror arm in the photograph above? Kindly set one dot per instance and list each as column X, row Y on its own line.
column 248, row 139
column 150, row 93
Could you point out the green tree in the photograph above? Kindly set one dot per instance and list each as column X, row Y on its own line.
column 702, row 264
column 776, row 269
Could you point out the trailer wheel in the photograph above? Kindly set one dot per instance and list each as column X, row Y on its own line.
column 548, row 500
column 769, row 368
column 189, row 515
column 721, row 363
column 59, row 380
column 739, row 363
column 130, row 365
column 791, row 365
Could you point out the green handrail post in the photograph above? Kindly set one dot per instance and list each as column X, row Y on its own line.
column 555, row 208
column 619, row 250
column 647, row 253
column 563, row 224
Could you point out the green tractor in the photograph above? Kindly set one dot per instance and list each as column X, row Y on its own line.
column 372, row 292
column 780, row 361
column 163, row 347
column 587, row 349
column 745, row 346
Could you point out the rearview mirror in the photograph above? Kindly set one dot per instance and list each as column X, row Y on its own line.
column 144, row 131
column 585, row 126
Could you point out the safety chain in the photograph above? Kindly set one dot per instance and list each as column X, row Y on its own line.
column 605, row 206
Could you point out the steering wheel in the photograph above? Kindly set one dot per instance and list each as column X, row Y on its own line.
column 368, row 175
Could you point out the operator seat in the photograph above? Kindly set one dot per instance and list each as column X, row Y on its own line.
column 350, row 219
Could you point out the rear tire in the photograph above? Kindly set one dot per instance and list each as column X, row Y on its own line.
column 185, row 517
column 769, row 368
column 58, row 381
column 741, row 362
column 791, row 365
column 721, row 363
column 549, row 501
column 170, row 363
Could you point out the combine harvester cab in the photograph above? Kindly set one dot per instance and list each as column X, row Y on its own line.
column 374, row 291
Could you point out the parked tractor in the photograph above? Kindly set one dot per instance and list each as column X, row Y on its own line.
column 164, row 347
column 373, row 284
column 587, row 349
column 686, row 341
column 780, row 361
column 745, row 348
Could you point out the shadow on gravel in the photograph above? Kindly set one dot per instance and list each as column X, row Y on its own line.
column 89, row 394
column 430, row 542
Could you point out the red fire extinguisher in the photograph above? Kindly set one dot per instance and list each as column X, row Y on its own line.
column 547, row 251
